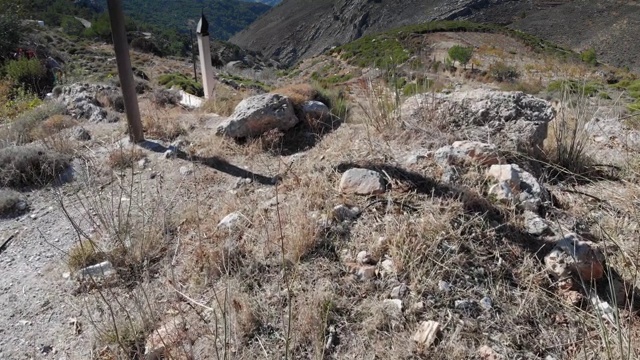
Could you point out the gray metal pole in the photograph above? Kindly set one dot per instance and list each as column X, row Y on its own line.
column 121, row 47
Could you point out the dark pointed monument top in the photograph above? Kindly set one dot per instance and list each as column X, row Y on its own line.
column 203, row 26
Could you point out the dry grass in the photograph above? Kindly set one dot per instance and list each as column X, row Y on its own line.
column 163, row 126
column 566, row 146
column 224, row 101
column 84, row 254
column 123, row 158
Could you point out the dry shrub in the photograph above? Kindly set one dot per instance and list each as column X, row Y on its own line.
column 53, row 125
column 9, row 203
column 19, row 131
column 223, row 102
column 123, row 158
column 111, row 99
column 164, row 97
column 217, row 256
column 27, row 166
column 313, row 312
column 247, row 320
column 160, row 127
column 298, row 93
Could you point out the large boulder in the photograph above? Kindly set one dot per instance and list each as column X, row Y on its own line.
column 514, row 121
column 258, row 114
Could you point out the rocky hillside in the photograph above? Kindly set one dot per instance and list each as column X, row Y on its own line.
column 331, row 211
column 610, row 27
column 299, row 29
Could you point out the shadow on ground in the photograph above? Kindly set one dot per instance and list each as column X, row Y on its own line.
column 212, row 162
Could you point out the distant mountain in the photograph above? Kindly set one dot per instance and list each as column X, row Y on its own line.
column 226, row 17
column 266, row 2
column 298, row 29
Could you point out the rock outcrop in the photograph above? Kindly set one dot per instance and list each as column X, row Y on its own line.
column 82, row 103
column 514, row 121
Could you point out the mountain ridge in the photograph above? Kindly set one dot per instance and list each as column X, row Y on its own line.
column 296, row 30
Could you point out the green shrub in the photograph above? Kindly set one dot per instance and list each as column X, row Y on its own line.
column 71, row 25
column 183, row 82
column 334, row 99
column 377, row 51
column 418, row 87
column 461, row 54
column 589, row 56
column 28, row 73
column 503, row 72
column 145, row 45
column 28, row 166
column 11, row 31
column 586, row 88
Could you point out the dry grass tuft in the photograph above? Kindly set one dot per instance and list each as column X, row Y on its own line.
column 224, row 101
column 298, row 93
column 84, row 254
column 163, row 127
column 123, row 158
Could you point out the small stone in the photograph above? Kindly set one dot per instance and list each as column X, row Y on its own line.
column 444, row 286
column 21, row 205
column 399, row 291
column 315, row 110
column 467, row 152
column 66, row 275
column 142, row 163
column 487, row 353
column 364, row 258
column 362, row 182
column 463, row 304
column 534, row 224
column 344, row 213
column 486, row 303
column 186, row 170
column 388, row 267
column 573, row 255
column 393, row 307
column 233, row 221
column 418, row 308
column 81, row 134
column 366, row 272
column 507, row 174
column 427, row 333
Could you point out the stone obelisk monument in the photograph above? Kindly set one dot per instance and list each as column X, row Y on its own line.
column 205, row 56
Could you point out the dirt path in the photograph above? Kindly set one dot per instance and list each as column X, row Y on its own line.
column 35, row 306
